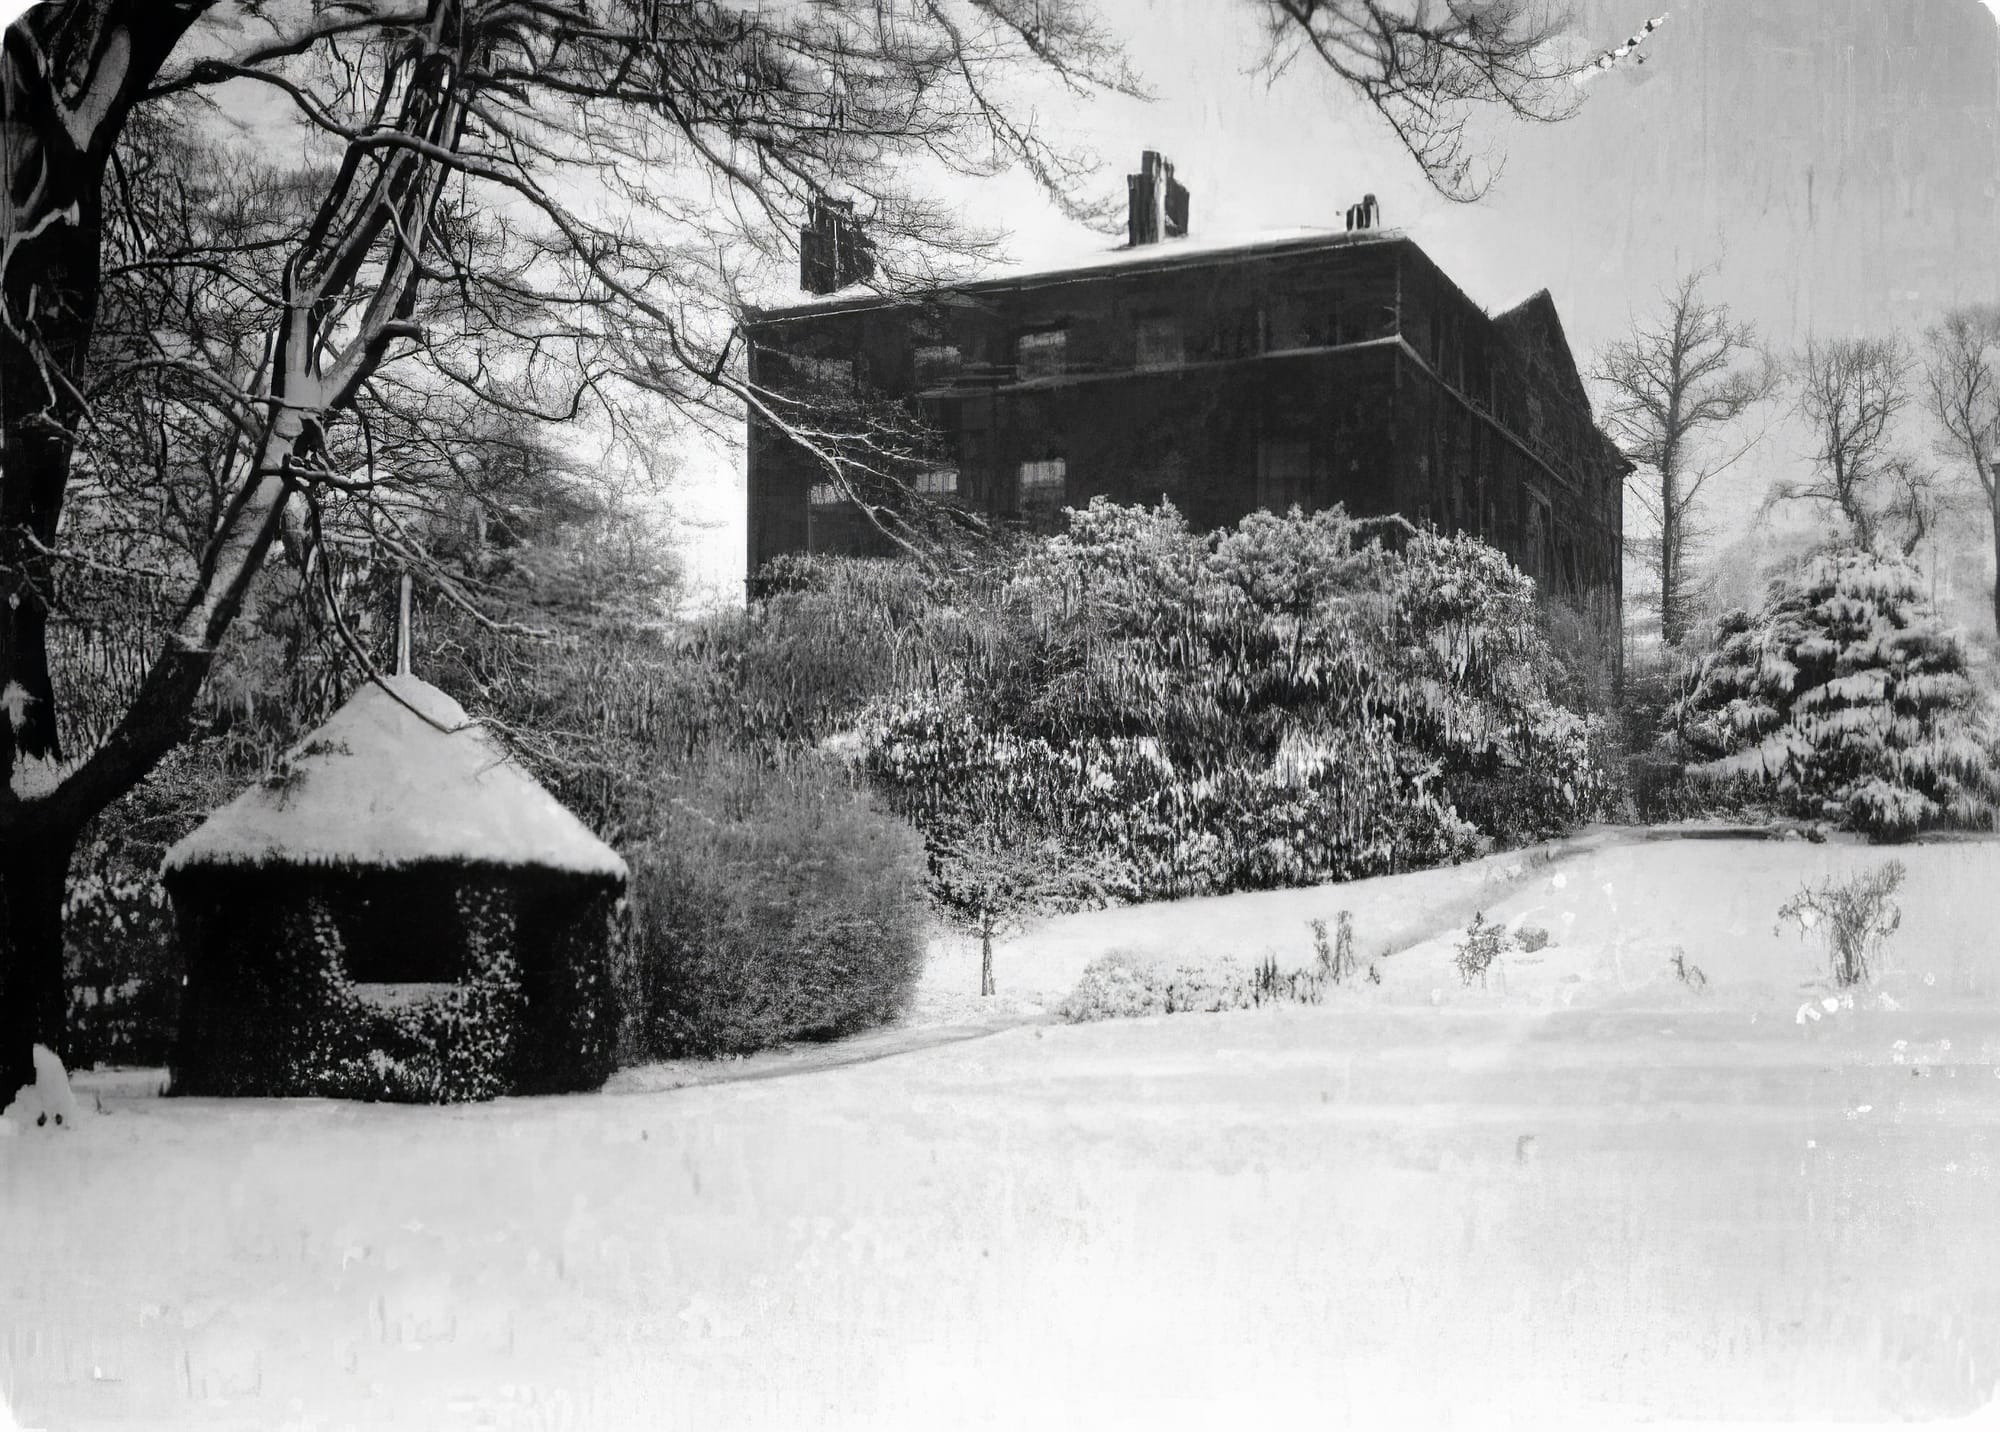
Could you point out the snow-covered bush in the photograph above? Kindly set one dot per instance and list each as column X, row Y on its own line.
column 1483, row 944
column 1279, row 704
column 1123, row 985
column 1334, row 958
column 772, row 903
column 1846, row 699
column 1853, row 918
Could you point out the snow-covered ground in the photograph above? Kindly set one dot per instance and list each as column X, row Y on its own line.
column 1580, row 1194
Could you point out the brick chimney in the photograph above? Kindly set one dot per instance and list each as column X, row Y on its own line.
column 833, row 252
column 1158, row 203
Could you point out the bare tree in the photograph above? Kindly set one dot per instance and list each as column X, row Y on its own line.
column 1850, row 393
column 517, row 198
column 1918, row 501
column 1683, row 378
column 1428, row 66
column 1962, row 391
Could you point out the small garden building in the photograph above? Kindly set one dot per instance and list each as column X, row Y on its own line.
column 400, row 912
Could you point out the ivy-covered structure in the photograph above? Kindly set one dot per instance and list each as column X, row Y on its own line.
column 400, row 912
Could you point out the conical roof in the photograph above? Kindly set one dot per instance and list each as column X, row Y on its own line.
column 379, row 786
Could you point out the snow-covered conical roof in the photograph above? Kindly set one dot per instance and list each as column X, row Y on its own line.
column 380, row 786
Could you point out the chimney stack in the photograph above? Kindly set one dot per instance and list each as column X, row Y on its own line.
column 833, row 252
column 1365, row 215
column 1158, row 203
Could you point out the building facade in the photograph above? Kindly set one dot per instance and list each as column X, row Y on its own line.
column 1309, row 369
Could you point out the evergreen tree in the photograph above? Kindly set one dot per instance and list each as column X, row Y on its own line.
column 1847, row 696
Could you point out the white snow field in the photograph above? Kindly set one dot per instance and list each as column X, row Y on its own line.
column 1584, row 1194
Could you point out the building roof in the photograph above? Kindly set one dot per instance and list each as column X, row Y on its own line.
column 380, row 786
column 1163, row 256
column 1537, row 328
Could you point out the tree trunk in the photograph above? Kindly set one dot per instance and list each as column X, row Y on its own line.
column 33, row 1000
column 69, row 75
column 985, row 962
column 1671, row 626
column 1996, row 567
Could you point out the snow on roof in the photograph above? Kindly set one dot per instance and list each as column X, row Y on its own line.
column 380, row 786
column 1166, row 253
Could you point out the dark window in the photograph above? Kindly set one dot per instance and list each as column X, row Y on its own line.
column 836, row 374
column 1044, row 487
column 400, row 927
column 1298, row 320
column 1042, row 354
column 936, row 364
column 1157, row 342
column 1284, row 474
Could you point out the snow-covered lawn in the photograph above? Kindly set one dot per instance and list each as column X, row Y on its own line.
column 1584, row 1191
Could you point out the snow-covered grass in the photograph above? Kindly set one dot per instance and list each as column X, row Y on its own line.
column 1040, row 966
column 1584, row 1191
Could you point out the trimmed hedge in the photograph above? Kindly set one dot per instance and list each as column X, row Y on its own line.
column 773, row 904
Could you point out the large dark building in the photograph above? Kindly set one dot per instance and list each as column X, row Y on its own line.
column 1311, row 368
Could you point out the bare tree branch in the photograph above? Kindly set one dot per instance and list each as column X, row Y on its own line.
column 1683, row 378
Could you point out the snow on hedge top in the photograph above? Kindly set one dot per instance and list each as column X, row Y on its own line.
column 380, row 786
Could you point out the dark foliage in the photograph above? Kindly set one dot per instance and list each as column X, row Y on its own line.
column 271, row 1009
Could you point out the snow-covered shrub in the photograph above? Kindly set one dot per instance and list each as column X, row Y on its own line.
column 1847, row 699
column 773, row 903
column 1115, row 986
column 1123, row 985
column 1279, row 704
column 1334, row 958
column 1853, row 918
column 1483, row 944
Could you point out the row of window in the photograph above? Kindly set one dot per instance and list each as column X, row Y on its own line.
column 1159, row 340
column 938, row 482
column 1040, row 480
column 1284, row 479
